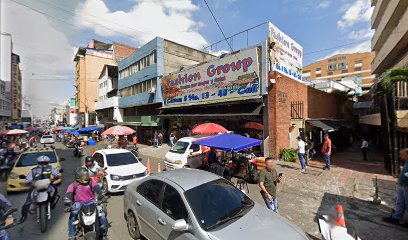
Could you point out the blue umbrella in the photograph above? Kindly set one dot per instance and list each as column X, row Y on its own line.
column 76, row 133
column 229, row 142
column 89, row 129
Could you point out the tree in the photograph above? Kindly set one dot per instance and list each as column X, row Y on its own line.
column 387, row 82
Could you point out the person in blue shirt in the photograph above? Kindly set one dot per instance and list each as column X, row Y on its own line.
column 42, row 171
column 402, row 192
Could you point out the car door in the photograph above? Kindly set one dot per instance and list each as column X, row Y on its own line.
column 172, row 209
column 147, row 202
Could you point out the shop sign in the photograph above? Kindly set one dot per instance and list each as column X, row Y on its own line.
column 285, row 55
column 233, row 77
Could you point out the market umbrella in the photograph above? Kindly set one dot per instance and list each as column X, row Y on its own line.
column 254, row 125
column 3, row 132
column 32, row 129
column 229, row 142
column 76, row 133
column 209, row 128
column 68, row 128
column 118, row 131
column 16, row 132
column 89, row 129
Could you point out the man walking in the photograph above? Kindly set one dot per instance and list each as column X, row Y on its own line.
column 402, row 192
column 156, row 139
column 301, row 153
column 364, row 148
column 268, row 182
column 327, row 150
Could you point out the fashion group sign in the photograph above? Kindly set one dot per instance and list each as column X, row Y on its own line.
column 232, row 77
column 285, row 55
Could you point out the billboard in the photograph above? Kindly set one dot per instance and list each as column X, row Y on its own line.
column 285, row 55
column 232, row 77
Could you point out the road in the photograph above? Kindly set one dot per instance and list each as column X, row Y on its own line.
column 58, row 226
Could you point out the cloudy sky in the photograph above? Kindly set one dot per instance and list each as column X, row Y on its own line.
column 46, row 33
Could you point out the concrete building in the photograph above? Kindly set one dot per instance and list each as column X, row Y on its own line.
column 6, row 49
column 140, row 84
column 16, row 88
column 89, row 62
column 5, row 102
column 355, row 66
column 107, row 106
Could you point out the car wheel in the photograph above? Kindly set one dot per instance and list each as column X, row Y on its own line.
column 132, row 225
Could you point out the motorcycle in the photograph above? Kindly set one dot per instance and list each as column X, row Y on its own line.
column 4, row 216
column 87, row 224
column 78, row 151
column 6, row 164
column 42, row 201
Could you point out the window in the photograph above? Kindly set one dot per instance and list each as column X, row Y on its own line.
column 342, row 65
column 30, row 159
column 318, row 69
column 318, row 75
column 173, row 204
column 195, row 147
column 344, row 71
column 179, row 147
column 332, row 59
column 151, row 190
column 357, row 69
column 332, row 67
column 120, row 159
column 99, row 159
column 330, row 73
column 358, row 61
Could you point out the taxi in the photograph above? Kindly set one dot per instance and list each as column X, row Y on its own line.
column 26, row 161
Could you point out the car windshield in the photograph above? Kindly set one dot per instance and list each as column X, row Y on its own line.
column 119, row 159
column 216, row 203
column 180, row 147
column 30, row 159
column 46, row 136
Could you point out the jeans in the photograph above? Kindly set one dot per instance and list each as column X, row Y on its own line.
column 364, row 150
column 3, row 235
column 302, row 160
column 272, row 205
column 74, row 216
column 171, row 142
column 156, row 142
column 327, row 159
column 402, row 203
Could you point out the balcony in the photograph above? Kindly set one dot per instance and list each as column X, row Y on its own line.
column 107, row 103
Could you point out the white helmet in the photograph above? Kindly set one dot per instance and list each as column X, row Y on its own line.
column 43, row 159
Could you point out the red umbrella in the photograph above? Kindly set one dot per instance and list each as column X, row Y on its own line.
column 209, row 128
column 254, row 125
column 3, row 132
column 118, row 131
column 30, row 129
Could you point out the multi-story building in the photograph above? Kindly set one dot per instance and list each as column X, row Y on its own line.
column 16, row 91
column 90, row 61
column 140, row 84
column 107, row 106
column 390, row 44
column 340, row 67
column 5, row 102
column 6, row 50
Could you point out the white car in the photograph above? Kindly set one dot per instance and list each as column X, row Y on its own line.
column 122, row 167
column 45, row 139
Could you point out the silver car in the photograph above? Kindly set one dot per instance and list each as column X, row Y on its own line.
column 194, row 204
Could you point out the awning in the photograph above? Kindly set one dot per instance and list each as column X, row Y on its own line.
column 320, row 124
column 225, row 110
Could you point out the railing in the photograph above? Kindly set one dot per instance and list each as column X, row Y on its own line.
column 401, row 103
column 296, row 109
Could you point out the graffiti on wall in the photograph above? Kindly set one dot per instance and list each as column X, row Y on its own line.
column 232, row 77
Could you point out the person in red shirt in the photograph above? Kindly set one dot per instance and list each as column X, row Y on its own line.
column 134, row 140
column 326, row 150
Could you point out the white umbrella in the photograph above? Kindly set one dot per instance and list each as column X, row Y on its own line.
column 16, row 132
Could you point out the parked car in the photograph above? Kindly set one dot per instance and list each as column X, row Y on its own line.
column 195, row 204
column 27, row 161
column 185, row 153
column 47, row 139
column 122, row 167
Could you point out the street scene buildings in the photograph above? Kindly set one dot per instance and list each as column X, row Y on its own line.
column 186, row 119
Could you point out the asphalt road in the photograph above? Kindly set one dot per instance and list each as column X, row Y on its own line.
column 58, row 226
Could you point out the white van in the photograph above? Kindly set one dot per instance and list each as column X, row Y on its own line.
column 186, row 154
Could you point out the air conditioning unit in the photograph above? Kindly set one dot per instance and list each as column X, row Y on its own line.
column 151, row 90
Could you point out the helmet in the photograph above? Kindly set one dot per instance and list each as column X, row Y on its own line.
column 82, row 175
column 89, row 161
column 43, row 159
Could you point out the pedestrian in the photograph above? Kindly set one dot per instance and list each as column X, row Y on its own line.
column 156, row 139
column 301, row 153
column 402, row 192
column 268, row 182
column 309, row 149
column 134, row 140
column 327, row 150
column 364, row 148
column 160, row 138
column 172, row 138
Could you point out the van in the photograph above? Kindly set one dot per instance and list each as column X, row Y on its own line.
column 185, row 153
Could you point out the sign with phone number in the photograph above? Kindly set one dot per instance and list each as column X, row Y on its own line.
column 231, row 77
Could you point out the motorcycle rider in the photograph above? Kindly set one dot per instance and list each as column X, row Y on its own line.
column 42, row 171
column 92, row 167
column 5, row 205
column 83, row 191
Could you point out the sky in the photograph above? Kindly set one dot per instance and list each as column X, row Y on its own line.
column 46, row 33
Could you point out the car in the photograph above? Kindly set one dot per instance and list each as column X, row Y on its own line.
column 27, row 161
column 47, row 139
column 195, row 204
column 122, row 167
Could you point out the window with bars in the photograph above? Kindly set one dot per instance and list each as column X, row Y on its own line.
column 296, row 109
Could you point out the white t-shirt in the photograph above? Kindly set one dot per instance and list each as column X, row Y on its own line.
column 364, row 144
column 301, row 146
